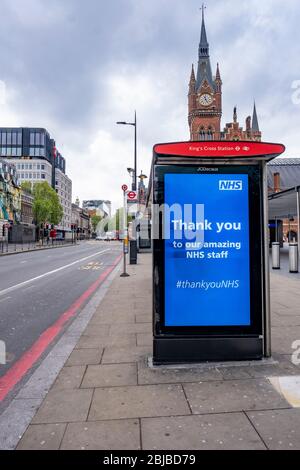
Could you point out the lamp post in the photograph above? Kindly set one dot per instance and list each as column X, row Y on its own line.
column 133, row 173
column 134, row 124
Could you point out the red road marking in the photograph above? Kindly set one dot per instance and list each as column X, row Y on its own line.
column 22, row 366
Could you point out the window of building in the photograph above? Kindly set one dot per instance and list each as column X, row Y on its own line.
column 32, row 138
column 19, row 152
column 31, row 152
column 3, row 138
column 19, row 140
column 26, row 175
column 43, row 176
column 9, row 138
column 38, row 167
column 14, row 138
column 8, row 152
column 42, row 167
column 22, row 175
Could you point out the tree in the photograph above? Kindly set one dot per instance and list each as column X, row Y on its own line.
column 46, row 205
column 96, row 219
column 26, row 186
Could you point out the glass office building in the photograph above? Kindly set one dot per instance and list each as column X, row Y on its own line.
column 31, row 144
column 36, row 159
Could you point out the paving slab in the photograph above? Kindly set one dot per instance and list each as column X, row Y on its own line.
column 161, row 375
column 102, row 331
column 64, row 406
column 88, row 342
column 280, row 366
column 144, row 339
column 143, row 318
column 283, row 339
column 85, row 357
column 69, row 378
column 230, row 396
column 215, row 432
column 280, row 429
column 104, row 435
column 138, row 402
column 128, row 354
column 42, row 437
column 114, row 375
column 131, row 328
column 112, row 319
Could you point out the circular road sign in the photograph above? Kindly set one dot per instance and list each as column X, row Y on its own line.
column 132, row 195
column 124, row 188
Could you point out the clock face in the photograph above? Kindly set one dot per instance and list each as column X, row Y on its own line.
column 206, row 99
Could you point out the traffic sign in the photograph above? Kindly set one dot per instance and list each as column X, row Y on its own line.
column 132, row 195
column 124, row 188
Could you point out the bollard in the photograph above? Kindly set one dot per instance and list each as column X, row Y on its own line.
column 276, row 255
column 294, row 258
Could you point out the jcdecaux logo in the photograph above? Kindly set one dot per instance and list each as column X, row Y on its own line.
column 230, row 185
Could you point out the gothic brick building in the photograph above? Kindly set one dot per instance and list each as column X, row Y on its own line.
column 205, row 103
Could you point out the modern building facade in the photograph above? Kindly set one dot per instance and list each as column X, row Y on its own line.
column 98, row 207
column 205, row 103
column 34, row 154
column 26, row 143
column 63, row 186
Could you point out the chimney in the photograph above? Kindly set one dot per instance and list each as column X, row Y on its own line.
column 277, row 183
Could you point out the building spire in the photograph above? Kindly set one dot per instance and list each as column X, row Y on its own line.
column 193, row 78
column 204, row 67
column 235, row 114
column 204, row 46
column 218, row 75
column 255, row 126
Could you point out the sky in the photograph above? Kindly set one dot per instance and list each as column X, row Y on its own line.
column 77, row 67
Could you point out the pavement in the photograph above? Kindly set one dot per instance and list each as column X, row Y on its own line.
column 106, row 397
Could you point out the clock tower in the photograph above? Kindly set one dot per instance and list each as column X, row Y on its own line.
column 205, row 95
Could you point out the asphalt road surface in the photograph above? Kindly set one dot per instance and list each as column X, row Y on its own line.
column 37, row 288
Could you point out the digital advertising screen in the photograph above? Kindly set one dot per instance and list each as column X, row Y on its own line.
column 207, row 250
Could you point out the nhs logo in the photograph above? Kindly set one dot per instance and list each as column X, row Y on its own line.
column 231, row 185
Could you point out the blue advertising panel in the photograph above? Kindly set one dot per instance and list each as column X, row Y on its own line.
column 207, row 250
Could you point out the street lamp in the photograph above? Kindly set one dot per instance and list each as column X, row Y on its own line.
column 134, row 124
column 131, row 173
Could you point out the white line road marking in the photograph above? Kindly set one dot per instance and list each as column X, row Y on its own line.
column 17, row 286
column 24, row 262
column 28, row 288
column 289, row 388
